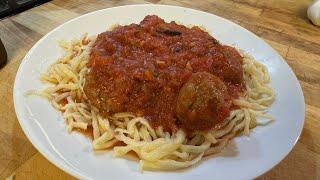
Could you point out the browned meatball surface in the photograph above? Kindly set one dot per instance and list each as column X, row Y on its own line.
column 203, row 102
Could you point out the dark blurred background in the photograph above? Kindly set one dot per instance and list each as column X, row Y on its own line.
column 10, row 7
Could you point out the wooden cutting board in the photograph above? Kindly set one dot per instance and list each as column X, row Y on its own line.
column 282, row 23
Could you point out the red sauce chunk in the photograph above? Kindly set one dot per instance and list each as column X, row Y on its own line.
column 176, row 77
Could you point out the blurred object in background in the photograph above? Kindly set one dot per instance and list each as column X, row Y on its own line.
column 10, row 7
column 314, row 12
column 3, row 55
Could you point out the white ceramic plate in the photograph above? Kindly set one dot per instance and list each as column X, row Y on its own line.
column 246, row 157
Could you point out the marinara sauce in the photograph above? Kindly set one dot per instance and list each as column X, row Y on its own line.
column 141, row 68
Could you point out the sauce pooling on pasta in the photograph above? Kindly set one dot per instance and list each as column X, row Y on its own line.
column 174, row 76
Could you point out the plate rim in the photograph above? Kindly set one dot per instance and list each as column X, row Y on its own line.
column 81, row 175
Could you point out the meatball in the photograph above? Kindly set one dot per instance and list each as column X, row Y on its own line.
column 202, row 102
column 107, row 93
column 232, row 72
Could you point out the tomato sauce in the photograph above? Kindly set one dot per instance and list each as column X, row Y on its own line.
column 141, row 68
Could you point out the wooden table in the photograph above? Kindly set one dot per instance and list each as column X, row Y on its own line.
column 282, row 23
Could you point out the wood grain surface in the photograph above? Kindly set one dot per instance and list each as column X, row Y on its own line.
column 282, row 23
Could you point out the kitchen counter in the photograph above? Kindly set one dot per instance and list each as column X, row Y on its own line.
column 281, row 23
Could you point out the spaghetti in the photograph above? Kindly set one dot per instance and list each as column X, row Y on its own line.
column 156, row 148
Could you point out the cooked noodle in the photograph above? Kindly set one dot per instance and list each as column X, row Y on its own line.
column 156, row 149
